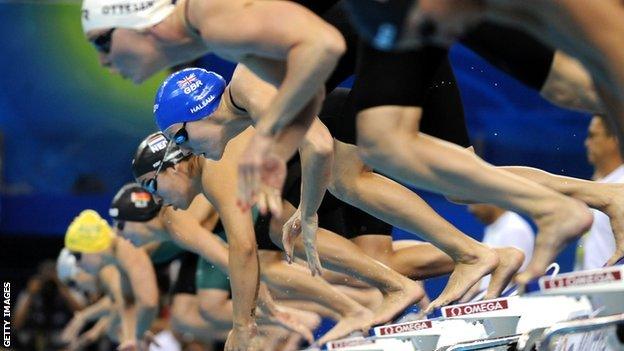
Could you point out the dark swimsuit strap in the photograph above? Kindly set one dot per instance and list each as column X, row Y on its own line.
column 233, row 103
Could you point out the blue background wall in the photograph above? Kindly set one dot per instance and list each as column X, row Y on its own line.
column 62, row 116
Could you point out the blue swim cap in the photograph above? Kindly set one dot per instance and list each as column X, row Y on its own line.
column 187, row 95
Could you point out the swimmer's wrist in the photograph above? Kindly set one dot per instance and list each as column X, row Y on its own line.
column 79, row 315
column 268, row 126
column 249, row 326
column 307, row 215
column 266, row 132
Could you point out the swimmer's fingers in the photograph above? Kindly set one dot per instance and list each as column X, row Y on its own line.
column 262, row 203
column 128, row 345
column 248, row 177
column 274, row 197
column 148, row 339
column 253, row 181
column 272, row 177
column 302, row 330
column 314, row 262
column 292, row 323
column 309, row 227
column 244, row 198
column 290, row 231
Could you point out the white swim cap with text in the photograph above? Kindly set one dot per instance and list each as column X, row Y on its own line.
column 132, row 14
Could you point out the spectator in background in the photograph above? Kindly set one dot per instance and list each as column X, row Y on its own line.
column 43, row 309
column 602, row 152
column 503, row 229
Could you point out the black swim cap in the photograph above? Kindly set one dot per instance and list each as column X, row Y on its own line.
column 133, row 203
column 153, row 150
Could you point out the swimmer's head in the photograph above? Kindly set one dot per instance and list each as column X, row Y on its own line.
column 124, row 36
column 69, row 273
column 131, row 208
column 66, row 267
column 88, row 237
column 88, row 233
column 166, row 171
column 133, row 203
column 182, row 109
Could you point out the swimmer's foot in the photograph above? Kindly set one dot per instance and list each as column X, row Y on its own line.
column 471, row 293
column 292, row 343
column 396, row 300
column 309, row 319
column 466, row 273
column 360, row 320
column 511, row 260
column 567, row 220
column 611, row 202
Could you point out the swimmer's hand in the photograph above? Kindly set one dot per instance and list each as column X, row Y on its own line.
column 241, row 338
column 148, row 339
column 261, row 175
column 281, row 316
column 290, row 232
column 308, row 227
column 71, row 331
column 128, row 345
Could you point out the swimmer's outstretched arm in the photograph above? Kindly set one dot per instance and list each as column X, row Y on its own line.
column 186, row 319
column 137, row 266
column 316, row 166
column 93, row 334
column 110, row 278
column 297, row 53
column 256, row 96
column 92, row 312
column 219, row 187
column 187, row 231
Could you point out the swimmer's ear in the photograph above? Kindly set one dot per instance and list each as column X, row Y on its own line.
column 150, row 31
column 180, row 167
column 144, row 31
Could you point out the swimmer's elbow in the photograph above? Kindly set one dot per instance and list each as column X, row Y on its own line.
column 337, row 45
column 320, row 142
column 243, row 249
column 148, row 300
column 332, row 44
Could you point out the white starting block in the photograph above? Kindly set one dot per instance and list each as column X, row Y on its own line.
column 520, row 314
column 491, row 322
column 494, row 344
column 576, row 311
column 428, row 335
column 598, row 333
column 370, row 344
column 604, row 287
column 417, row 335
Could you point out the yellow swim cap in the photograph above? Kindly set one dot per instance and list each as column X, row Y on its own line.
column 88, row 233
